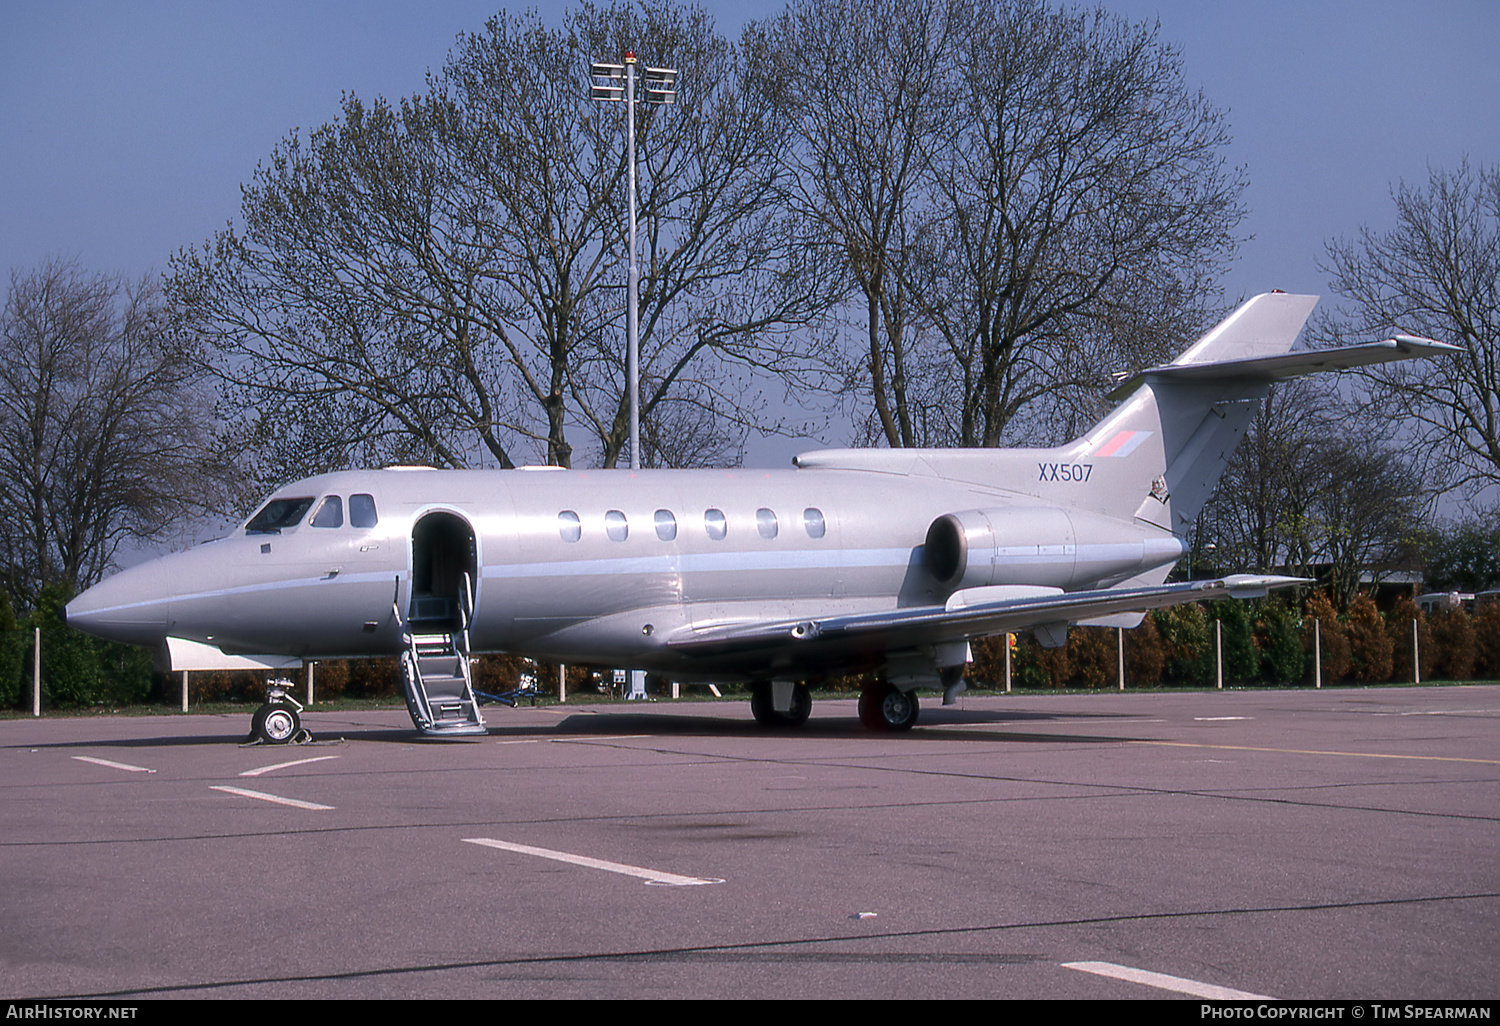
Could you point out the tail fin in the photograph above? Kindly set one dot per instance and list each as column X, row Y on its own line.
column 1178, row 425
column 1168, row 442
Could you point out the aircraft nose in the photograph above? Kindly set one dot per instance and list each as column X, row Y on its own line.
column 133, row 607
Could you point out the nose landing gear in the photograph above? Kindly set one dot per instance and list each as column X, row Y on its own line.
column 279, row 721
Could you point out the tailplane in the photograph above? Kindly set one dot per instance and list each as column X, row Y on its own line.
column 1166, row 445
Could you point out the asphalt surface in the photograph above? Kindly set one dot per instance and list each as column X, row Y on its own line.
column 1339, row 844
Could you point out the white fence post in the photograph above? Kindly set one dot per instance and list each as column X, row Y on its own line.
column 1317, row 654
column 1219, row 654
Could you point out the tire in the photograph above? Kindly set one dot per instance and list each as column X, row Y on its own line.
column 887, row 708
column 765, row 713
column 275, row 724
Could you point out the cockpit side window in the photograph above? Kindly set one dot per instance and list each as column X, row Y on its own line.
column 362, row 511
column 278, row 515
column 330, row 514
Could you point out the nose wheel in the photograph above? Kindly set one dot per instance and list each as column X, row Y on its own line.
column 279, row 721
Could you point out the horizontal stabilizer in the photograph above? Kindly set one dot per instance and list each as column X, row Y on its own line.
column 1271, row 369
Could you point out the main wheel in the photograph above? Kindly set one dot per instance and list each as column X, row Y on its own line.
column 764, row 711
column 885, row 707
column 275, row 724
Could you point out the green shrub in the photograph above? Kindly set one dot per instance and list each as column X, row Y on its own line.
column 1278, row 630
column 1241, row 658
column 1187, row 643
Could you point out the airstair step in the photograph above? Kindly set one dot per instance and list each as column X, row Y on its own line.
column 438, row 690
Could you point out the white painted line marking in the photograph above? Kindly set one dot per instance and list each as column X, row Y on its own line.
column 293, row 802
column 1162, row 981
column 1441, row 712
column 284, row 765
column 1216, row 719
column 597, row 737
column 649, row 875
column 114, row 765
column 526, row 741
column 1310, row 751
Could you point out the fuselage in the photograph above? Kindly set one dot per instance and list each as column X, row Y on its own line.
column 590, row 566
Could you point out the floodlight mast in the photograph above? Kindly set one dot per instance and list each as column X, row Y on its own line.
column 614, row 83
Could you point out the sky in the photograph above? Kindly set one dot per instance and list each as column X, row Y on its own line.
column 127, row 129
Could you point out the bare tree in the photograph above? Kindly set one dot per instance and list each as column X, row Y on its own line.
column 1315, row 485
column 105, row 428
column 438, row 279
column 1261, row 514
column 1080, row 183
column 857, row 78
column 1369, row 514
column 1025, row 199
column 1436, row 274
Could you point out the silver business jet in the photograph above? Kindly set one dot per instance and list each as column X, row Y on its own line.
column 855, row 560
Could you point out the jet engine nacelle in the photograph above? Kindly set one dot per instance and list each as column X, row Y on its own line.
column 1043, row 545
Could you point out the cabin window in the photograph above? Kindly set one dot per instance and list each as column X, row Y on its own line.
column 714, row 524
column 666, row 525
column 568, row 526
column 812, row 519
column 362, row 511
column 765, row 523
column 330, row 514
column 278, row 515
column 615, row 525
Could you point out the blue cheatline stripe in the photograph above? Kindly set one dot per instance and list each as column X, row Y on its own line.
column 800, row 559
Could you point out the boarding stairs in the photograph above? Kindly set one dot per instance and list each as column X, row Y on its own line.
column 435, row 670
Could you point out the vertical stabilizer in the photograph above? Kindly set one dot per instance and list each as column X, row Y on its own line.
column 1165, row 446
column 1266, row 325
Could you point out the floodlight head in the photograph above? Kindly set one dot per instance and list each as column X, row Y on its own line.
column 607, row 93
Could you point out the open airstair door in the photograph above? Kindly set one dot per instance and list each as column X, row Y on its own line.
column 435, row 631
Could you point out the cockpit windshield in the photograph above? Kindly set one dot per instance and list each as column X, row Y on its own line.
column 279, row 514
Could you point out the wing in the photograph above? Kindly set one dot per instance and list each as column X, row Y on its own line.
column 972, row 613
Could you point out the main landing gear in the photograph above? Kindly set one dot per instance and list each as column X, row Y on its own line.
column 763, row 705
column 279, row 721
column 884, row 706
